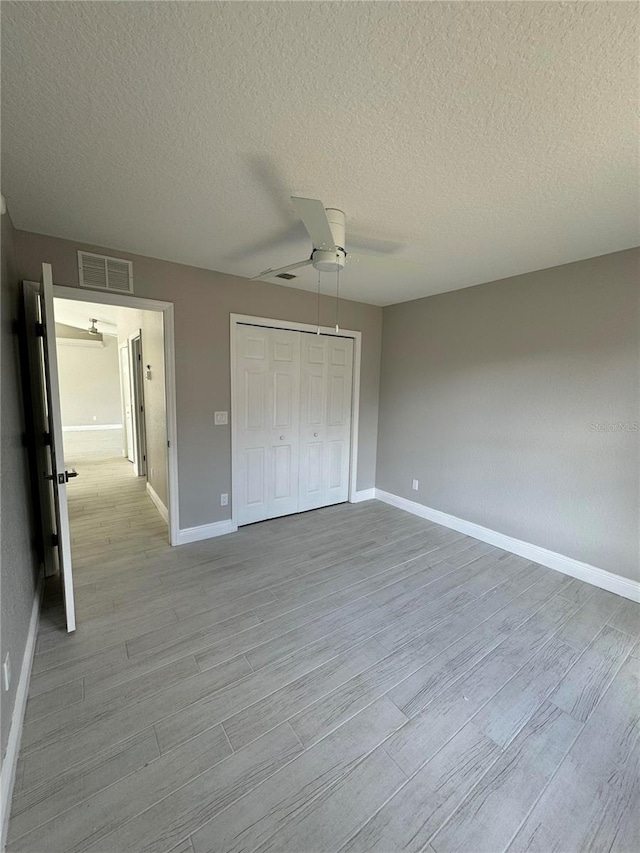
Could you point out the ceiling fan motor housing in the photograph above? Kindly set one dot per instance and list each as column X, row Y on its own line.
column 330, row 261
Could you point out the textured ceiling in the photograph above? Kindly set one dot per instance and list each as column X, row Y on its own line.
column 483, row 139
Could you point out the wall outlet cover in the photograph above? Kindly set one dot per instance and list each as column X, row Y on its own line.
column 221, row 418
column 414, row 485
column 224, row 500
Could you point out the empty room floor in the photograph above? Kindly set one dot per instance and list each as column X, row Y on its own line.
column 351, row 679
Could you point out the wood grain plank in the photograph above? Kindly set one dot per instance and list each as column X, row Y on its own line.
column 491, row 813
column 418, row 809
column 188, row 807
column 276, row 803
column 582, row 688
column 77, row 828
column 592, row 802
column 503, row 717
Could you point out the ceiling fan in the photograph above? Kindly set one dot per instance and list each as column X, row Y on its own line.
column 327, row 229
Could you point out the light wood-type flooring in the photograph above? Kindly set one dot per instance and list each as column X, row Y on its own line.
column 350, row 679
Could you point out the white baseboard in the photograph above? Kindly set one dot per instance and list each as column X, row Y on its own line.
column 90, row 427
column 10, row 760
column 206, row 531
column 364, row 495
column 164, row 512
column 552, row 560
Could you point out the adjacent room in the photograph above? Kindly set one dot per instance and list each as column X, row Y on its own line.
column 113, row 412
column 320, row 474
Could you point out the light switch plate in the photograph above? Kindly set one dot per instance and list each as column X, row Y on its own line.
column 414, row 485
column 220, row 418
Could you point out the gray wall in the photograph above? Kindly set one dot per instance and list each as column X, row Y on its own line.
column 493, row 398
column 18, row 560
column 89, row 381
column 203, row 301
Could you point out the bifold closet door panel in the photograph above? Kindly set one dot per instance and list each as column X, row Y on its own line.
column 267, row 403
column 252, row 435
column 283, row 422
column 325, row 420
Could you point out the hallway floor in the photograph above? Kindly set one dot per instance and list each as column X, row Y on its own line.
column 351, row 679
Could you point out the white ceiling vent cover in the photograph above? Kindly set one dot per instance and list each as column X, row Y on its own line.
column 100, row 272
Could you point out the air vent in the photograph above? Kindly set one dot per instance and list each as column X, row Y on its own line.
column 99, row 272
column 286, row 276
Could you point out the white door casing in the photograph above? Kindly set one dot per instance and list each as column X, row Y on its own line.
column 137, row 402
column 125, row 384
column 326, row 374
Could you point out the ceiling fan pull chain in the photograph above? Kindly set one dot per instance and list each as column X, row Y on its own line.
column 337, row 293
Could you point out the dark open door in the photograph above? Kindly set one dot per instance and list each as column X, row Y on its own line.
column 45, row 397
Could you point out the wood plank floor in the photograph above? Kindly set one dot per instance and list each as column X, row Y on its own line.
column 352, row 679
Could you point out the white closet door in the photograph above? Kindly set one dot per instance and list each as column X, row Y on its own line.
column 284, row 421
column 325, row 420
column 266, row 423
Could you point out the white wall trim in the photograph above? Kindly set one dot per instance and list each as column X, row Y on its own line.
column 236, row 319
column 164, row 512
column 206, row 531
column 90, row 427
column 551, row 559
column 10, row 761
column 128, row 301
column 364, row 495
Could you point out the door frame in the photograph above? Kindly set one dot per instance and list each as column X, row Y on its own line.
column 125, row 301
column 138, row 420
column 247, row 319
column 125, row 379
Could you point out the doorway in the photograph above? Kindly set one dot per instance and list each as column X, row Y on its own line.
column 294, row 401
column 146, row 419
column 114, row 416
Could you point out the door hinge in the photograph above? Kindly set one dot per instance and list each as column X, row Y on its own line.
column 139, row 357
column 54, row 540
column 168, row 444
column 144, row 458
column 40, row 330
column 47, row 439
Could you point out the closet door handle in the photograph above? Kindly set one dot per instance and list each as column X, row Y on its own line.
column 281, row 438
column 315, row 435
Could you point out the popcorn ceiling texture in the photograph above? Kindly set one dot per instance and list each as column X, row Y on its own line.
column 487, row 139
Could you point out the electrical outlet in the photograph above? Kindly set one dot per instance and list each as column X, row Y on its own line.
column 151, row 473
column 224, row 500
column 220, row 418
column 6, row 672
column 414, row 485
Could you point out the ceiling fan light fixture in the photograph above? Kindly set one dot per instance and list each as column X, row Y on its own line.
column 325, row 261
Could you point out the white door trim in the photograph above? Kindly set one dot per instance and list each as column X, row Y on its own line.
column 234, row 321
column 126, row 301
column 138, row 420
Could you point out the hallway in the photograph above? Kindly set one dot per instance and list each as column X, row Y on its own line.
column 111, row 515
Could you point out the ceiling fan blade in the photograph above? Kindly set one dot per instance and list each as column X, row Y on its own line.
column 270, row 273
column 382, row 261
column 314, row 217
